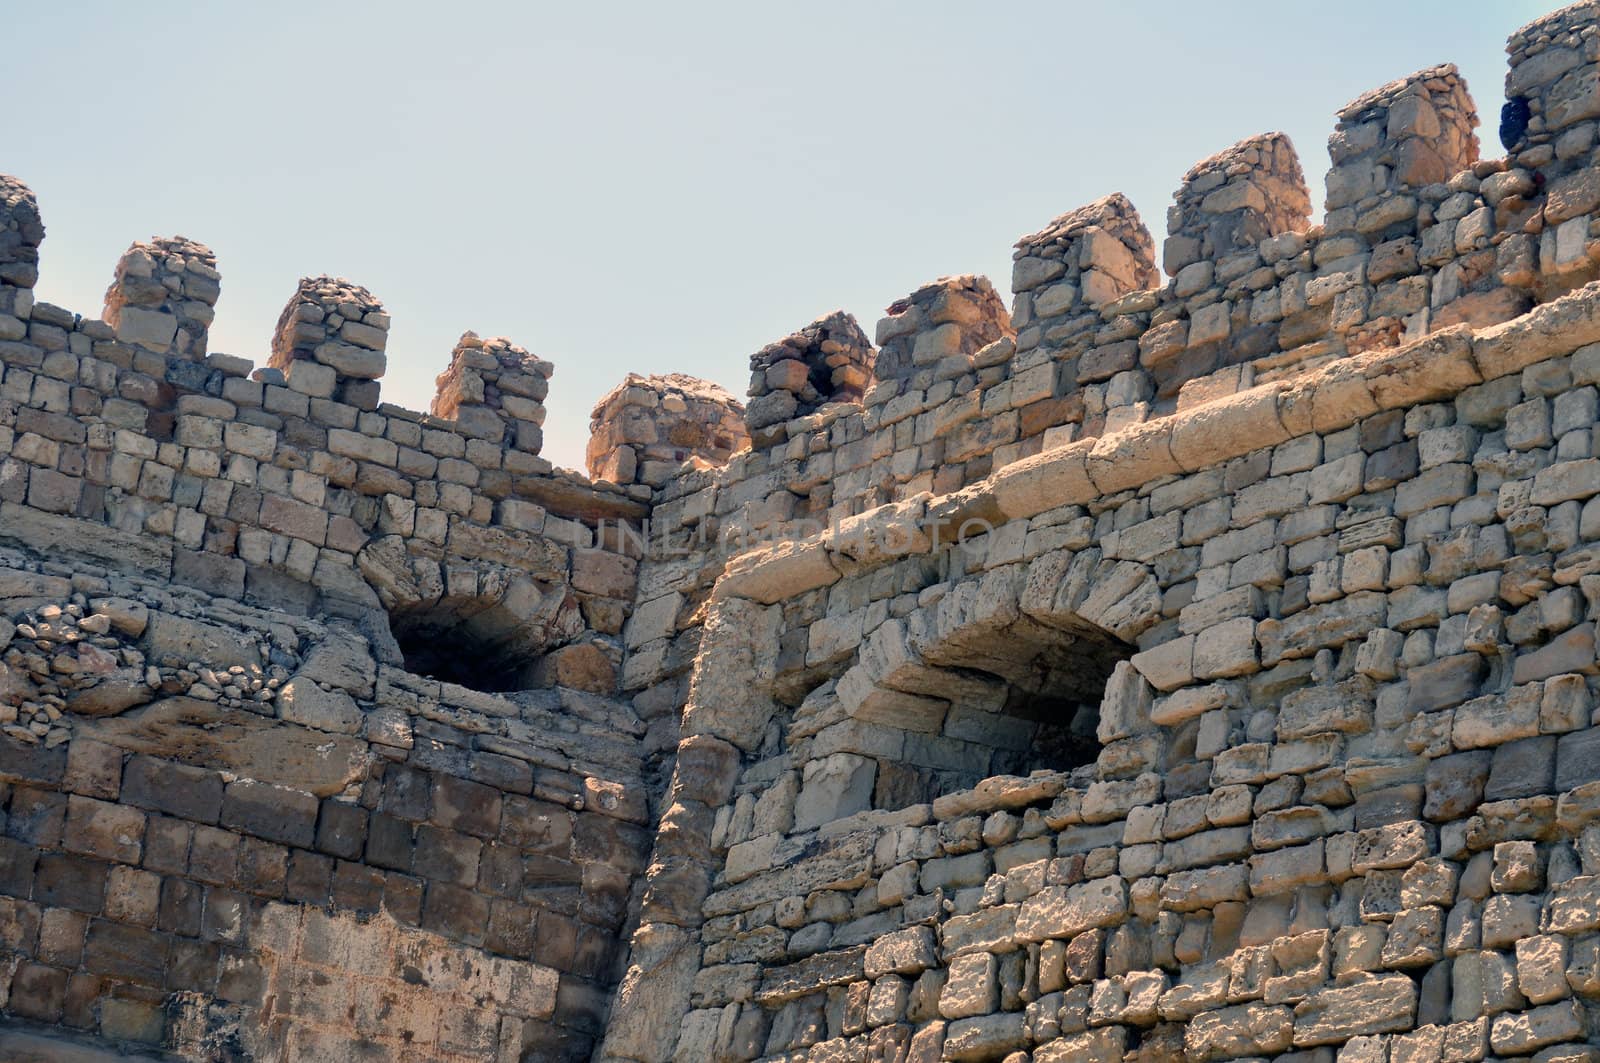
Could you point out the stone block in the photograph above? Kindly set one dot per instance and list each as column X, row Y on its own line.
column 276, row 813
column 1226, row 649
column 150, row 329
column 178, row 641
column 1522, row 768
column 1571, row 651
column 1577, row 759
column 1455, row 785
column 836, row 786
column 302, row 701
column 1374, row 1005
column 108, row 831
column 1064, row 911
column 1245, row 1030
column 175, row 789
column 71, row 882
column 1528, row 1031
column 447, row 856
column 971, row 988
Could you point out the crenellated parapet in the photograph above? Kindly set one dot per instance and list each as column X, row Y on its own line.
column 163, row 297
column 1419, row 235
column 1200, row 666
column 1395, row 140
column 292, row 486
column 1235, row 199
column 939, row 326
column 645, row 429
column 494, row 390
column 330, row 341
column 830, row 360
column 272, row 610
column 1553, row 91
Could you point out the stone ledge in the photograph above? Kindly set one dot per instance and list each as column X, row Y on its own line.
column 21, row 1045
column 1325, row 399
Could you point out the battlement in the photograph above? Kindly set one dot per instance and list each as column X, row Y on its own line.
column 830, row 360
column 1417, row 235
column 1234, row 200
column 645, row 429
column 274, row 611
column 292, row 487
column 1200, row 665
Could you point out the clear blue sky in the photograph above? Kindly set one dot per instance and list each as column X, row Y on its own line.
column 654, row 187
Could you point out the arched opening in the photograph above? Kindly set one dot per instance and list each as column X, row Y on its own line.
column 482, row 626
column 1022, row 698
column 1004, row 674
column 1058, row 692
column 1018, row 699
column 441, row 644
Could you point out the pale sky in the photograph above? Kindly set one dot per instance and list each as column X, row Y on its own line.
column 655, row 187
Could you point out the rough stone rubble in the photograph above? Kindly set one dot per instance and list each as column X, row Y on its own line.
column 1202, row 669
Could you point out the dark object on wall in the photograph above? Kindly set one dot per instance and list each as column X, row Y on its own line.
column 1514, row 118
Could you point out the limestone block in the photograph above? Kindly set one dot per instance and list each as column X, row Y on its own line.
column 348, row 359
column 310, row 378
column 1125, row 709
column 1106, row 1044
column 836, row 786
column 302, row 701
column 1065, row 911
column 779, row 571
column 1169, row 665
column 1245, row 1030
column 1188, row 891
column 972, row 987
column 1134, row 456
column 244, row 743
column 1542, row 968
column 1548, row 330
column 1187, row 704
column 1382, row 1004
column 177, row 641
column 1528, row 1031
column 904, row 952
column 127, row 616
column 150, row 329
column 1052, row 478
column 1226, row 649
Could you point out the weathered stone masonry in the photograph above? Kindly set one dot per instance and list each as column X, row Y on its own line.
column 1201, row 670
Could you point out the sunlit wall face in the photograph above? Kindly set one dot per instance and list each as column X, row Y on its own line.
column 655, row 190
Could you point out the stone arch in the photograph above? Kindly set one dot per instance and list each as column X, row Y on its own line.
column 478, row 623
column 1008, row 672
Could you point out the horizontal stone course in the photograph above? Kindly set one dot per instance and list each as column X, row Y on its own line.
column 1193, row 668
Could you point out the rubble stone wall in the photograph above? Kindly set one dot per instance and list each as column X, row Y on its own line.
column 1418, row 234
column 240, row 822
column 233, row 833
column 1301, row 503
column 1197, row 668
column 1347, row 775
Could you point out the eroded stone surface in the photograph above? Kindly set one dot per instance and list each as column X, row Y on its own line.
column 1195, row 667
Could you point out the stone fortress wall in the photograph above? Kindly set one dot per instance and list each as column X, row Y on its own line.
column 252, row 812
column 1194, row 670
